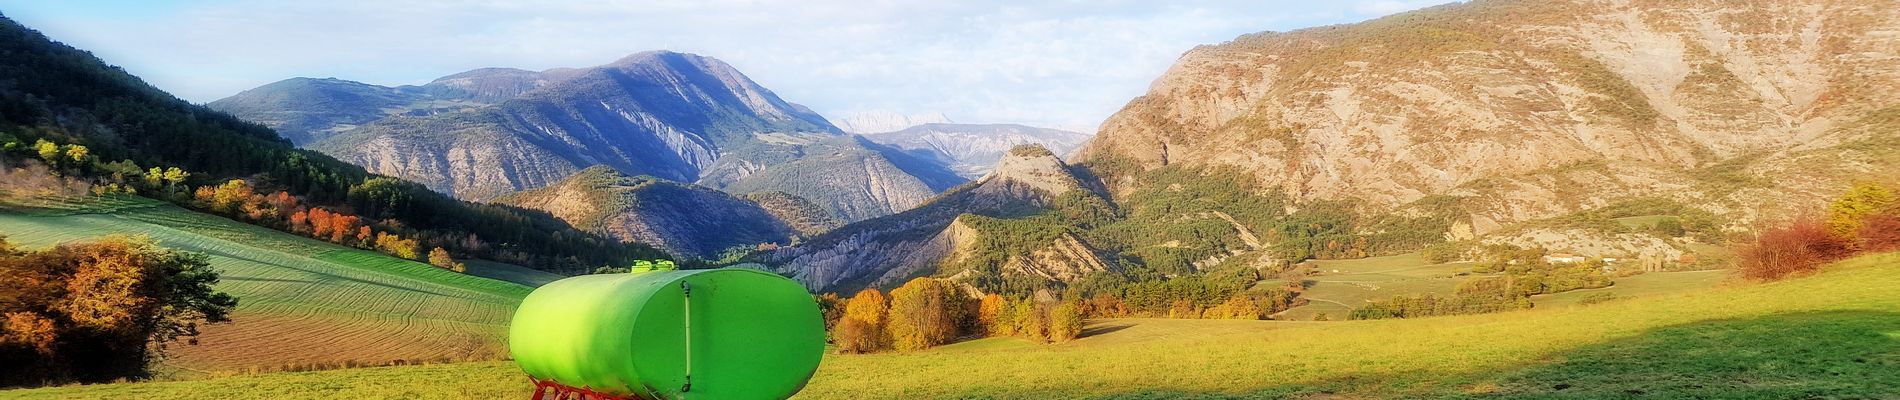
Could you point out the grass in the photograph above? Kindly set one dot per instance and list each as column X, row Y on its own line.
column 1643, row 221
column 1647, row 284
column 1358, row 281
column 303, row 303
column 1834, row 335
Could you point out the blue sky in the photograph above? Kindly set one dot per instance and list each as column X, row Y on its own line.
column 1065, row 64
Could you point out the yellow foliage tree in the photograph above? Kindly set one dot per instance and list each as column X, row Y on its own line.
column 925, row 312
column 1846, row 213
column 989, row 313
column 1065, row 322
column 862, row 328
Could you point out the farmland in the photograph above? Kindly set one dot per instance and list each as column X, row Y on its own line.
column 303, row 303
column 1830, row 335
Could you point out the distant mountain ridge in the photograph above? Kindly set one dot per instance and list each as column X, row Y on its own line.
column 958, row 234
column 682, row 219
column 675, row 116
column 886, row 121
column 972, row 150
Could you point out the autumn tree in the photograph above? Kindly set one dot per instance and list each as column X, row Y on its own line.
column 1030, row 320
column 925, row 312
column 101, row 310
column 862, row 329
column 440, row 258
column 1065, row 321
column 989, row 314
column 1846, row 213
column 831, row 308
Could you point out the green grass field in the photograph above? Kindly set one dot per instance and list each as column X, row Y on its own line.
column 302, row 301
column 1834, row 335
column 1342, row 285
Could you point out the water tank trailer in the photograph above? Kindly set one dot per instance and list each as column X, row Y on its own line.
column 661, row 333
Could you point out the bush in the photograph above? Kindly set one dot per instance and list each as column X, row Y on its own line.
column 1880, row 232
column 1797, row 247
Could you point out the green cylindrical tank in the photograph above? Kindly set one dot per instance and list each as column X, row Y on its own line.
column 670, row 334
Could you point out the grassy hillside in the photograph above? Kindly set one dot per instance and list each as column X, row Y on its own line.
column 1836, row 335
column 1341, row 285
column 301, row 301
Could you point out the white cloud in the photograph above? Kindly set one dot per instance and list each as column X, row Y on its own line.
column 1064, row 64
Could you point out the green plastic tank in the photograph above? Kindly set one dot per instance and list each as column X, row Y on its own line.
column 671, row 334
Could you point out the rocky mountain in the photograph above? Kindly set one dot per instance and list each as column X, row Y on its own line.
column 1504, row 111
column 675, row 116
column 971, row 233
column 886, row 121
column 669, row 215
column 971, row 150
column 1535, row 123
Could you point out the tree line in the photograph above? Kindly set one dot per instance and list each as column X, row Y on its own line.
column 928, row 312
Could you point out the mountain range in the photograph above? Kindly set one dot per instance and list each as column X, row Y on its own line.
column 1489, row 121
column 489, row 132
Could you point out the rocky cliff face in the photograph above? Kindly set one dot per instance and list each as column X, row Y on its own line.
column 681, row 219
column 681, row 117
column 972, row 149
column 1530, row 109
column 887, row 251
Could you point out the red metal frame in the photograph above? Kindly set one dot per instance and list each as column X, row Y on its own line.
column 545, row 388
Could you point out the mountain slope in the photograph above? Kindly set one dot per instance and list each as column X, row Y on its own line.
column 675, row 116
column 680, row 218
column 1520, row 110
column 973, row 149
column 981, row 233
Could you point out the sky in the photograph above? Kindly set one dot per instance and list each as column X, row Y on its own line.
column 1065, row 64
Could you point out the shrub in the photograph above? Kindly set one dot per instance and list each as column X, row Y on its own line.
column 1800, row 246
column 1880, row 232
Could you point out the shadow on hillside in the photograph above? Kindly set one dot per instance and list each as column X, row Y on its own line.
column 1840, row 354
column 1103, row 328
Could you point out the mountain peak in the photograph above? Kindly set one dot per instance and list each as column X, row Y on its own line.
column 1036, row 166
